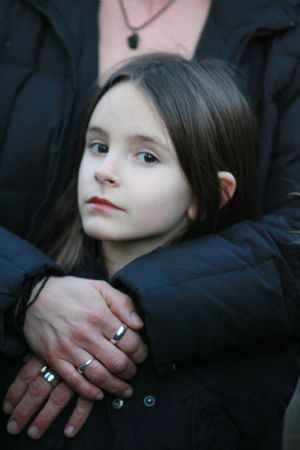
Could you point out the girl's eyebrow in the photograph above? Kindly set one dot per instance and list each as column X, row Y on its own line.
column 151, row 140
column 94, row 128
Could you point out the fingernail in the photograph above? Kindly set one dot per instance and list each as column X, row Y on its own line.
column 100, row 396
column 69, row 430
column 33, row 432
column 136, row 318
column 7, row 407
column 12, row 427
column 127, row 393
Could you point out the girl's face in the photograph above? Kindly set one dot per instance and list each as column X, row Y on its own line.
column 131, row 188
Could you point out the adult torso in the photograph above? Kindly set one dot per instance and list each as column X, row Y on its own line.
column 57, row 83
column 160, row 35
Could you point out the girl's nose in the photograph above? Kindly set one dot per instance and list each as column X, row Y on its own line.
column 106, row 173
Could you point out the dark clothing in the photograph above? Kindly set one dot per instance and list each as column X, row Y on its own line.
column 231, row 291
column 236, row 290
column 216, row 295
column 233, row 403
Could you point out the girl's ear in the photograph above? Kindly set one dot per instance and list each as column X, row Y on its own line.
column 228, row 187
column 192, row 211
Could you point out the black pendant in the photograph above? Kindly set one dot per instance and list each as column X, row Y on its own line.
column 133, row 41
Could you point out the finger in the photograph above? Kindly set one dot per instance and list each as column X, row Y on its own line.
column 112, row 358
column 17, row 389
column 78, row 417
column 140, row 355
column 76, row 381
column 120, row 304
column 58, row 399
column 100, row 376
column 38, row 390
column 116, row 361
column 133, row 345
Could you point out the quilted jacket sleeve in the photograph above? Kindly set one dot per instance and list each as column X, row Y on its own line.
column 214, row 295
column 19, row 260
column 238, row 289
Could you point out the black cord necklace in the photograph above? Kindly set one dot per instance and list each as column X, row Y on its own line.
column 133, row 39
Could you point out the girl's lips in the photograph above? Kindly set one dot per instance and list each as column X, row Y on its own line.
column 102, row 203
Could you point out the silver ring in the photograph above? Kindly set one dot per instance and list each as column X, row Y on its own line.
column 81, row 369
column 118, row 334
column 49, row 376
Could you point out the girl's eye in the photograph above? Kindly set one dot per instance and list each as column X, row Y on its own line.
column 146, row 157
column 98, row 147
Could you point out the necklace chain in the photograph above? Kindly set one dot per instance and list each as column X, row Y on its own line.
column 133, row 39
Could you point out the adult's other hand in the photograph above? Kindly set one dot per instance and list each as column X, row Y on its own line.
column 73, row 321
column 30, row 394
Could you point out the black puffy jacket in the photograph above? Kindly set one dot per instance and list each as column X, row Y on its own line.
column 218, row 294
column 225, row 404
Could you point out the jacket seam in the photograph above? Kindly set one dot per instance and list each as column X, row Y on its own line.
column 174, row 284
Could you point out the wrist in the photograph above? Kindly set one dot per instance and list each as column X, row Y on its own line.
column 31, row 291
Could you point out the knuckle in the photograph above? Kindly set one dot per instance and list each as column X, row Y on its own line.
column 132, row 342
column 13, row 394
column 99, row 375
column 26, row 373
column 119, row 364
column 129, row 373
column 62, row 345
column 43, row 421
column 79, row 333
column 59, row 349
column 38, row 387
column 141, row 357
column 133, row 370
column 59, row 398
column 22, row 413
column 98, row 318
column 138, row 358
column 80, row 385
column 82, row 411
column 72, row 379
column 124, row 301
column 103, row 284
column 140, row 354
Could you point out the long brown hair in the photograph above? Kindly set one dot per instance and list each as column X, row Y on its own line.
column 212, row 129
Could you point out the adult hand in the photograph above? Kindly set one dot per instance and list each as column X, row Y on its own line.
column 72, row 321
column 27, row 395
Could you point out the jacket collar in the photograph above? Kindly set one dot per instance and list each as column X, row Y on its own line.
column 75, row 23
column 68, row 17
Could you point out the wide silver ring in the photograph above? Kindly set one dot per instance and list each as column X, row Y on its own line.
column 119, row 334
column 81, row 369
column 49, row 376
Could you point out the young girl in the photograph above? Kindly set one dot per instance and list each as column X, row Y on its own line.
column 169, row 154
